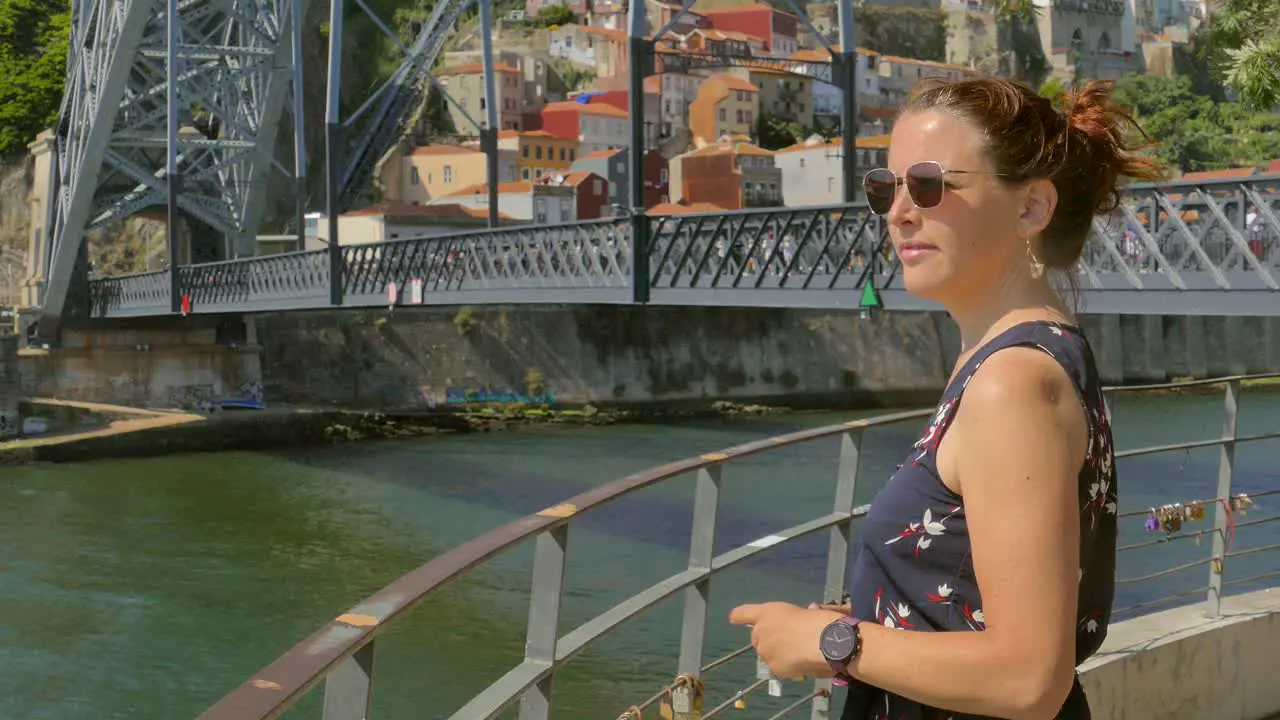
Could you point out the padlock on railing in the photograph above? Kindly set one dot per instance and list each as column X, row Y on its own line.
column 683, row 700
column 763, row 673
column 631, row 713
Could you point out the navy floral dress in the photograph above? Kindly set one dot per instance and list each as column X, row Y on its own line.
column 915, row 570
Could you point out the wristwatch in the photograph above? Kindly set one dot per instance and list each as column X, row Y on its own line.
column 839, row 644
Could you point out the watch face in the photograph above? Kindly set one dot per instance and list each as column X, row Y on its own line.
column 839, row 640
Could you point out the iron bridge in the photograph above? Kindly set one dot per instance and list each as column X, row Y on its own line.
column 1205, row 248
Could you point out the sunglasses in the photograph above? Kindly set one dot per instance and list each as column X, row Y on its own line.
column 925, row 181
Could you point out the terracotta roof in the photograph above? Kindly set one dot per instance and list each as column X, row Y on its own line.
column 476, row 69
column 607, row 33
column 928, row 63
column 599, row 154
column 713, row 34
column 442, row 211
column 503, row 188
column 1220, row 174
column 734, row 82
column 729, row 148
column 875, row 142
column 1274, row 167
column 588, row 108
column 678, row 209
column 745, row 8
column 541, row 134
column 821, row 55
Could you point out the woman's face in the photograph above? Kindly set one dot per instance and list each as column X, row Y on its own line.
column 972, row 239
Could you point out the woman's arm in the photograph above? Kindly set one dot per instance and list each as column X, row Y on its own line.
column 1015, row 449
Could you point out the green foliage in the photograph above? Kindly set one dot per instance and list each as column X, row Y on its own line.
column 775, row 133
column 1193, row 131
column 1055, row 91
column 905, row 32
column 33, row 59
column 549, row 15
column 1243, row 44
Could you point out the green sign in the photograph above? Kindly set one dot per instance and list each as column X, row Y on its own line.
column 870, row 296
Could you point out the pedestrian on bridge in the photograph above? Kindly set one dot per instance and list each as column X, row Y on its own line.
column 986, row 566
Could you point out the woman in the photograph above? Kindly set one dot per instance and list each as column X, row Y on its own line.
column 1002, row 518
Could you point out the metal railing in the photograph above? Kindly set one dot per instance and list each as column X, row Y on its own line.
column 341, row 653
column 1210, row 247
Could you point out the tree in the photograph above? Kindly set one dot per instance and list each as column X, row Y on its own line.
column 33, row 59
column 549, row 15
column 1194, row 132
column 1244, row 45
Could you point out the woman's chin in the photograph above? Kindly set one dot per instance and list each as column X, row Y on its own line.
column 921, row 282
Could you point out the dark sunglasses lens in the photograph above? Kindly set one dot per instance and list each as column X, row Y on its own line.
column 880, row 186
column 924, row 182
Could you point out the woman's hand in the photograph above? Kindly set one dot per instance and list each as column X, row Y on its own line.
column 786, row 637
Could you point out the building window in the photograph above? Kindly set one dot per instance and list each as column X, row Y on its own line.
column 414, row 178
column 598, row 186
column 801, row 163
column 524, row 174
column 537, row 153
column 724, row 114
column 524, row 151
column 448, row 174
column 572, row 152
column 562, row 154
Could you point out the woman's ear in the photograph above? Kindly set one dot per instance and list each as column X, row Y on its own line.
column 1039, row 199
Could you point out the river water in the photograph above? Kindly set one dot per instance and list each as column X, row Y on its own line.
column 148, row 588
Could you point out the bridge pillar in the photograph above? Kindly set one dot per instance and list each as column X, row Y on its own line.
column 1226, row 345
column 42, row 191
column 1271, row 336
column 10, row 387
column 1143, row 350
column 159, row 363
column 1186, row 346
column 1107, row 340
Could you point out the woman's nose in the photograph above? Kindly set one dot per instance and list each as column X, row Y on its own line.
column 903, row 210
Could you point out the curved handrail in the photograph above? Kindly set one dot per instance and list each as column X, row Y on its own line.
column 280, row 684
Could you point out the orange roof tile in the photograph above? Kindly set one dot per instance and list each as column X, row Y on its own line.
column 503, row 188
column 1220, row 174
column 821, row 55
column 733, row 82
column 744, row 8
column 874, row 142
column 1274, row 167
column 599, row 154
column 690, row 209
column 927, row 63
column 442, row 211
column 476, row 69
column 588, row 108
column 607, row 33
column 729, row 148
column 540, row 134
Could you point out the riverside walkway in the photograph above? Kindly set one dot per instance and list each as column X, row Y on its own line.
column 1205, row 659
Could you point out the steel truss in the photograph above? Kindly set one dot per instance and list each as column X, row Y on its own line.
column 1174, row 249
column 223, row 66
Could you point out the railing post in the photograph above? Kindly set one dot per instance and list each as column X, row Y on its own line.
column 838, row 546
column 544, row 617
column 1226, row 463
column 348, row 691
column 706, row 501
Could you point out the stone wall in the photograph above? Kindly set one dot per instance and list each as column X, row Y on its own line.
column 628, row 355
column 602, row 354
column 159, row 368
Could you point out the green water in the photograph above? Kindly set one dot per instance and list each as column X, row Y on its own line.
column 149, row 588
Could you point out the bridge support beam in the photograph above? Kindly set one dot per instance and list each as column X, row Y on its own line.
column 641, row 53
column 333, row 139
column 848, row 82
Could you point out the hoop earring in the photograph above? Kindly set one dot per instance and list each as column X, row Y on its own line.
column 1037, row 267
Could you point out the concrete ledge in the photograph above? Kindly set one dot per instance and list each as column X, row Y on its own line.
column 1180, row 665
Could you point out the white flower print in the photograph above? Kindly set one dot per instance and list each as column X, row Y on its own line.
column 923, row 529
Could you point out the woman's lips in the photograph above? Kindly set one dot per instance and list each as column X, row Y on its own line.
column 914, row 252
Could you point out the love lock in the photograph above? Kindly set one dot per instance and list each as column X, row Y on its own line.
column 1216, row 565
column 683, row 700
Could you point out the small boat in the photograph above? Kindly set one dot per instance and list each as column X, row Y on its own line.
column 235, row 404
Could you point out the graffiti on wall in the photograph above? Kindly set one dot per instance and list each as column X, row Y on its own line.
column 190, row 397
column 501, row 396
